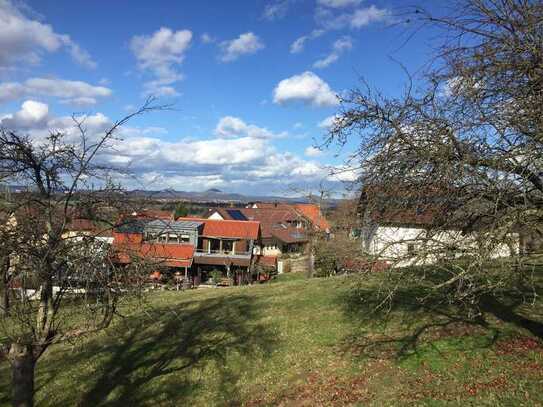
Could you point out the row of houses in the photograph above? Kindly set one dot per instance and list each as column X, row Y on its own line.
column 241, row 245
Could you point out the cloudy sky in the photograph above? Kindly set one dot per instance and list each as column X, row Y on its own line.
column 254, row 83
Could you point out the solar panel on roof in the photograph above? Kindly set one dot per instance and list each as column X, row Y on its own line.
column 236, row 214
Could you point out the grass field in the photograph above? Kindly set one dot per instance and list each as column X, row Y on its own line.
column 295, row 342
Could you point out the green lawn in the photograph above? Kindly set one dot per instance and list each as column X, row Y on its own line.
column 294, row 342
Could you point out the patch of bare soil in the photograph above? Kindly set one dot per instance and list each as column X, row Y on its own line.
column 518, row 345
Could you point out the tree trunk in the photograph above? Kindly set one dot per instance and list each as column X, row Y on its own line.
column 310, row 264
column 4, row 286
column 4, row 306
column 22, row 368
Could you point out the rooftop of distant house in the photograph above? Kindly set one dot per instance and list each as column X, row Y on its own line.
column 274, row 213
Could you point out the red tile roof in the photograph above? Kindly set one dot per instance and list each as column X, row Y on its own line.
column 154, row 214
column 269, row 218
column 314, row 214
column 400, row 205
column 310, row 211
column 172, row 255
column 271, row 205
column 127, row 238
column 289, row 234
column 274, row 219
column 236, row 229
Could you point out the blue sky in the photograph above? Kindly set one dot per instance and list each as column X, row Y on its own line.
column 251, row 81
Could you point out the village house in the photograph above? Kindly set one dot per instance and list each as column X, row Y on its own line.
column 286, row 228
column 404, row 231
column 74, row 224
column 197, row 249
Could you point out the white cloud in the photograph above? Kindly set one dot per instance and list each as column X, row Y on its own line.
column 230, row 126
column 81, row 56
column 207, row 38
column 338, row 3
column 275, row 10
column 365, row 16
column 82, row 101
column 285, row 168
column 31, row 114
column 34, row 119
column 327, row 122
column 160, row 54
column 157, row 88
column 25, row 40
column 458, row 85
column 245, row 44
column 69, row 91
column 329, row 19
column 156, row 153
column 307, row 88
column 308, row 169
column 312, row 151
column 192, row 182
column 343, row 173
column 332, row 18
column 299, row 44
column 338, row 48
column 244, row 162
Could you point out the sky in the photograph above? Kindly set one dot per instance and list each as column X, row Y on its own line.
column 252, row 84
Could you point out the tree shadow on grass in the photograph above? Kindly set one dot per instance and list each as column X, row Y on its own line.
column 395, row 330
column 417, row 313
column 506, row 309
column 152, row 361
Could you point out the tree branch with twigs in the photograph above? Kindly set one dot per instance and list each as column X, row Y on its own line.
column 59, row 284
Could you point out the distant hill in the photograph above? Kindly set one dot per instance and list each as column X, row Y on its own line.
column 212, row 195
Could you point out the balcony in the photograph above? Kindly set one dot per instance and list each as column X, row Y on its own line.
column 222, row 253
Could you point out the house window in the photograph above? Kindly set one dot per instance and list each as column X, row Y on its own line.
column 227, row 246
column 411, row 249
column 214, row 245
column 184, row 238
column 151, row 236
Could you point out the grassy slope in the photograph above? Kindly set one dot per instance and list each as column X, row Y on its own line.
column 294, row 342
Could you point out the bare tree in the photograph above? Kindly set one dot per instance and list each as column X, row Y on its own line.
column 316, row 195
column 460, row 153
column 341, row 251
column 57, row 285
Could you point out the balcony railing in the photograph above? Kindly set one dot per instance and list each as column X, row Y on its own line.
column 221, row 253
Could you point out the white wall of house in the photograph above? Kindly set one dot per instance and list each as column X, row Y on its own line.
column 216, row 216
column 271, row 251
column 267, row 250
column 404, row 246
